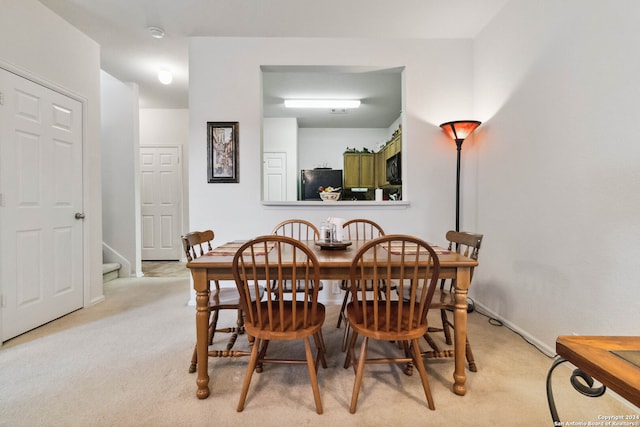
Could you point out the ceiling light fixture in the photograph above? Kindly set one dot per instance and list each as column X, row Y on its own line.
column 165, row 76
column 322, row 103
column 156, row 32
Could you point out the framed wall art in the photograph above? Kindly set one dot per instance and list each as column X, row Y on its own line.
column 222, row 152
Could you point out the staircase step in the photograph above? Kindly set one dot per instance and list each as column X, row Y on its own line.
column 110, row 271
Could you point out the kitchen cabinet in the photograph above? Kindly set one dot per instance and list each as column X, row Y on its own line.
column 381, row 168
column 388, row 151
column 369, row 170
column 359, row 170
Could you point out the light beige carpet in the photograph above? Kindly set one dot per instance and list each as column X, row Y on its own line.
column 124, row 363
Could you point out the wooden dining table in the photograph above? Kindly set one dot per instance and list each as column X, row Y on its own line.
column 334, row 265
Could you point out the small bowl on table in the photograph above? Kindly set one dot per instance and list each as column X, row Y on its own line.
column 328, row 196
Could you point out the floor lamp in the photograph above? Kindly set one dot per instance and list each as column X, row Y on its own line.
column 459, row 131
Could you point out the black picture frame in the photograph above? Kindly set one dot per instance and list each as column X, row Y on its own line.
column 222, row 152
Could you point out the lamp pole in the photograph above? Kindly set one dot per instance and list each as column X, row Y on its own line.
column 459, row 147
column 458, row 131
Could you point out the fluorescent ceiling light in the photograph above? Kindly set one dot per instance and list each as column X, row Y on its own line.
column 322, row 103
column 165, row 76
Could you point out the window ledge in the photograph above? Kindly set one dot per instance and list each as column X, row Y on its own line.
column 339, row 203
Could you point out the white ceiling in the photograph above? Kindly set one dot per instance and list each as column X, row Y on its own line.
column 130, row 54
column 379, row 91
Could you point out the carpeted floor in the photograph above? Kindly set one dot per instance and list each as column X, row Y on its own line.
column 124, row 362
column 165, row 269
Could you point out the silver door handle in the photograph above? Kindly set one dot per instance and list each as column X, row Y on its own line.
column 79, row 215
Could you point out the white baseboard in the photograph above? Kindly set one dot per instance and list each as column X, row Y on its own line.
column 544, row 348
column 547, row 350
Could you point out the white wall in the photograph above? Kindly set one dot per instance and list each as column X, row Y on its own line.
column 120, row 175
column 170, row 126
column 164, row 126
column 437, row 82
column 324, row 147
column 38, row 44
column 556, row 176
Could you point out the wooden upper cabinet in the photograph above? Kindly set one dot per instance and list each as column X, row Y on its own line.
column 359, row 170
column 381, row 167
column 351, row 166
column 367, row 170
column 392, row 148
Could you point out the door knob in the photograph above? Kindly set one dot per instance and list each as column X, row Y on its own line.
column 79, row 215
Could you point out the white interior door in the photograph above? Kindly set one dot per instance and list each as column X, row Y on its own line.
column 41, row 267
column 161, row 202
column 275, row 176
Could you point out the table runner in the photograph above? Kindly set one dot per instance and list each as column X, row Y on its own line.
column 230, row 248
column 410, row 249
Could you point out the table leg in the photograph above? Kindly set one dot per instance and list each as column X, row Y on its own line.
column 584, row 385
column 550, row 401
column 460, row 329
column 201, row 286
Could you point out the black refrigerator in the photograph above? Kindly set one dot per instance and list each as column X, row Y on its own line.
column 311, row 180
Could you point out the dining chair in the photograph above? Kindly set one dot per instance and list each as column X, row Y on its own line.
column 355, row 229
column 298, row 229
column 468, row 245
column 413, row 265
column 277, row 259
column 196, row 244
